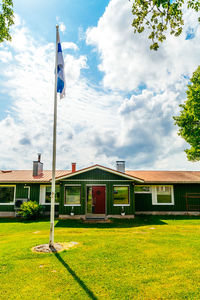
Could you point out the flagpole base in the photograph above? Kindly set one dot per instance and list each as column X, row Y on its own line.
column 57, row 247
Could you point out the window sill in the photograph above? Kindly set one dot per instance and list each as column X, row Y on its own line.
column 162, row 203
column 121, row 204
column 11, row 203
column 143, row 192
column 72, row 204
column 48, row 203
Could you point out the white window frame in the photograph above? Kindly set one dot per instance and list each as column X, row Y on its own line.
column 10, row 203
column 43, row 195
column 118, row 185
column 154, row 194
column 143, row 192
column 72, row 205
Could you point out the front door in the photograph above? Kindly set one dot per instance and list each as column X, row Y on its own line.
column 96, row 200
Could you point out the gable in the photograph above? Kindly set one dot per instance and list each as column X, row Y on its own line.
column 99, row 173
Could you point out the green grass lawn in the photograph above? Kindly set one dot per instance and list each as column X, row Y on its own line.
column 145, row 258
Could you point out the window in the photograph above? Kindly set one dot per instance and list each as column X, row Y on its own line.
column 45, row 194
column 163, row 195
column 7, row 194
column 142, row 189
column 48, row 194
column 121, row 195
column 73, row 195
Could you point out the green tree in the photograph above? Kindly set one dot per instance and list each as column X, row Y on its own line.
column 189, row 119
column 159, row 16
column 6, row 19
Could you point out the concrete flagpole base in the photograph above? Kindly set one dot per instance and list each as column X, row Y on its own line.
column 56, row 247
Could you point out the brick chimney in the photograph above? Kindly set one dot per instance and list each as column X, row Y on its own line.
column 73, row 167
column 37, row 166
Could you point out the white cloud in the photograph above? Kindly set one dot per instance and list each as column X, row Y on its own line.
column 62, row 27
column 126, row 59
column 29, row 80
column 69, row 45
column 5, row 56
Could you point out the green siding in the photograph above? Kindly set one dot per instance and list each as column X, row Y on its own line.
column 97, row 174
column 110, row 209
column 143, row 202
column 97, row 177
column 22, row 193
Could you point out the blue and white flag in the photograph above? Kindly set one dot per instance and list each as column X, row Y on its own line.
column 60, row 70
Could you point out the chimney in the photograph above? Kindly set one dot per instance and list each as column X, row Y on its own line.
column 120, row 165
column 73, row 167
column 37, row 166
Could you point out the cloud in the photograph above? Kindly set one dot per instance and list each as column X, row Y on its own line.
column 5, row 56
column 29, row 80
column 69, row 45
column 126, row 59
column 62, row 27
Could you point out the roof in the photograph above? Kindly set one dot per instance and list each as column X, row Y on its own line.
column 167, row 176
column 12, row 176
column 27, row 176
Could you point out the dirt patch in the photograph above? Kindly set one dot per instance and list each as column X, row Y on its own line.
column 57, row 247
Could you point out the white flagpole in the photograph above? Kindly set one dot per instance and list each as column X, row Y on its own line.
column 51, row 236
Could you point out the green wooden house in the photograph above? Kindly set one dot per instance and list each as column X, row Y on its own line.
column 101, row 192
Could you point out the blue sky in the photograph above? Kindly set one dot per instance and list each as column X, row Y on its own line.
column 120, row 96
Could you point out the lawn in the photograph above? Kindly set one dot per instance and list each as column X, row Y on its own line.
column 146, row 258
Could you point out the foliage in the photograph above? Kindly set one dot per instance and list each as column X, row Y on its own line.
column 6, row 19
column 159, row 16
column 189, row 119
column 30, row 210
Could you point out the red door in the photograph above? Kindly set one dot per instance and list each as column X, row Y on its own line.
column 98, row 199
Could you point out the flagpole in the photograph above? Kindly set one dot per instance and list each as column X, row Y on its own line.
column 51, row 236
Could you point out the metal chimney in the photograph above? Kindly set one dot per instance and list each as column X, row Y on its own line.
column 37, row 166
column 120, row 165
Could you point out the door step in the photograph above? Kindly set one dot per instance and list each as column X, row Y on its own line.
column 96, row 221
column 95, row 216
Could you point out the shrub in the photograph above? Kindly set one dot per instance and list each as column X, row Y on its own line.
column 30, row 210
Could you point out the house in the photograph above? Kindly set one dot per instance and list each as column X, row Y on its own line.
column 101, row 192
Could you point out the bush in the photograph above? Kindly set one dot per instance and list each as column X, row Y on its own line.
column 30, row 210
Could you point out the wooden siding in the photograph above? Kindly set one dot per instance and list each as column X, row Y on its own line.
column 21, row 192
column 90, row 178
column 143, row 202
column 97, row 174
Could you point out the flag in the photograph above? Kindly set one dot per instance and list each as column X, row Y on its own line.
column 60, row 70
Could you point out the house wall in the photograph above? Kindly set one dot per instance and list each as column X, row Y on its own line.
column 97, row 177
column 21, row 192
column 143, row 202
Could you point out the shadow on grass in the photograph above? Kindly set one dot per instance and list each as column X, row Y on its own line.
column 115, row 223
column 76, row 277
column 24, row 221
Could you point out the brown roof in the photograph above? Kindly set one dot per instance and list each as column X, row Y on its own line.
column 27, row 176
column 167, row 176
column 147, row 176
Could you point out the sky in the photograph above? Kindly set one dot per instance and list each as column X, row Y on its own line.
column 120, row 96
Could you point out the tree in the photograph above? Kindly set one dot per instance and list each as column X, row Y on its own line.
column 6, row 19
column 189, row 119
column 159, row 16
